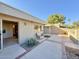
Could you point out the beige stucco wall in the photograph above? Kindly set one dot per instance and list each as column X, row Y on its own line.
column 25, row 31
column 25, row 28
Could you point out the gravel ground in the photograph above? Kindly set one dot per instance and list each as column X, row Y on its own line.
column 72, row 54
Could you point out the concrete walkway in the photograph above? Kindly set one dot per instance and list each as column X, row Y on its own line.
column 55, row 38
column 11, row 52
column 49, row 49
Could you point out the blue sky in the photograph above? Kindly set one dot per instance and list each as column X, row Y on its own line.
column 44, row 8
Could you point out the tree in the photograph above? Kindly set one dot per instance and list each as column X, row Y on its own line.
column 76, row 24
column 69, row 20
column 56, row 18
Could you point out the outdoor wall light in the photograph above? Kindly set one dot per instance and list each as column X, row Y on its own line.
column 25, row 23
column 13, row 26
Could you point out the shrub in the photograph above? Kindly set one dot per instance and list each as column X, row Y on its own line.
column 31, row 42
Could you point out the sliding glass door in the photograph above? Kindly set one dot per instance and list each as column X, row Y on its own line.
column 1, row 35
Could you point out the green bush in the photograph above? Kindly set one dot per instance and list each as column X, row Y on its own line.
column 31, row 42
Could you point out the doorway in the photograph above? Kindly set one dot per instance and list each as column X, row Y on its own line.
column 10, row 33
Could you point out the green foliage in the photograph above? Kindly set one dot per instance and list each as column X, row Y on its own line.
column 70, row 26
column 69, row 20
column 56, row 18
column 67, row 26
column 31, row 42
column 76, row 24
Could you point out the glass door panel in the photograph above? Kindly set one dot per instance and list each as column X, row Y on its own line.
column 0, row 34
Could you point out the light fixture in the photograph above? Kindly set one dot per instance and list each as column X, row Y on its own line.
column 13, row 26
column 25, row 23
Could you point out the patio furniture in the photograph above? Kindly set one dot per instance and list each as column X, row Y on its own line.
column 40, row 38
column 39, row 35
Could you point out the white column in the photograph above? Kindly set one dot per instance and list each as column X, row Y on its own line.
column 68, row 31
column 76, row 33
column 1, row 35
column 42, row 28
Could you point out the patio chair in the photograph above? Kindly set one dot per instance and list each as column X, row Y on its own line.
column 37, row 36
column 40, row 38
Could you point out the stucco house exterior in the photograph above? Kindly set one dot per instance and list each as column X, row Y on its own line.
column 17, row 24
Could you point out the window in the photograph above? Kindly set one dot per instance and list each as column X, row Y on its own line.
column 41, row 28
column 36, row 27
